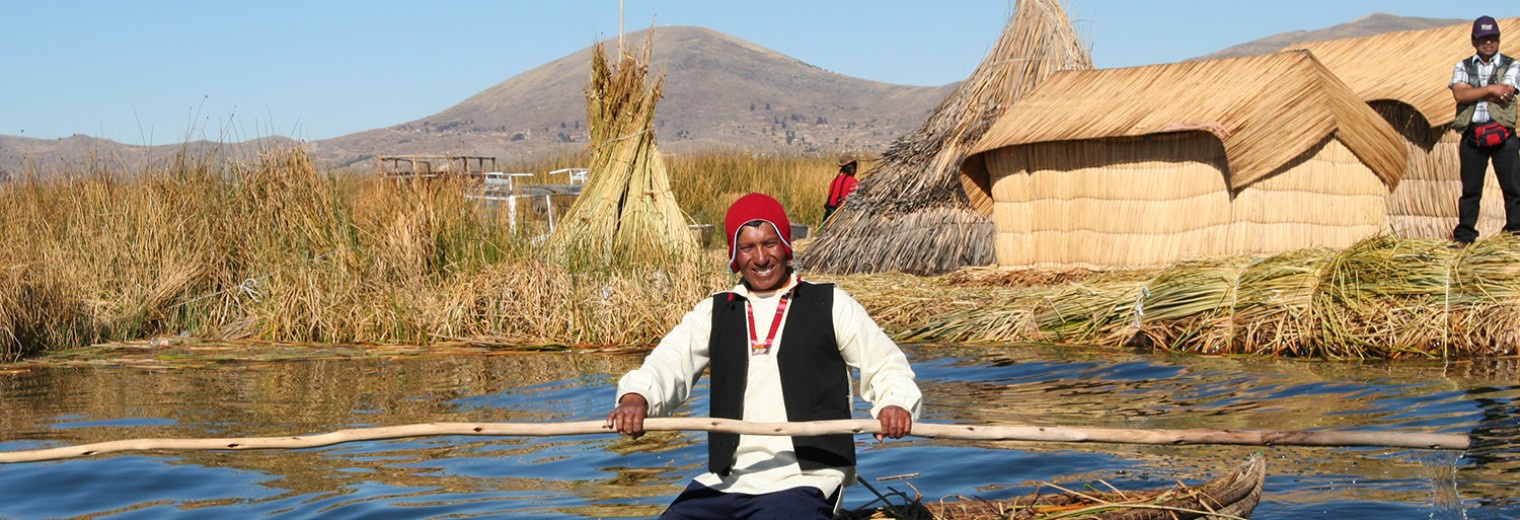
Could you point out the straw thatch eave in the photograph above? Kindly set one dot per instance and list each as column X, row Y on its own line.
column 1265, row 110
column 910, row 213
column 1410, row 67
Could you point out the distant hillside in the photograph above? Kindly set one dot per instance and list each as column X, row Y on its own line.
column 1376, row 23
column 80, row 153
column 719, row 91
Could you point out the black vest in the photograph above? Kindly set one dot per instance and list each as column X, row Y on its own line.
column 815, row 381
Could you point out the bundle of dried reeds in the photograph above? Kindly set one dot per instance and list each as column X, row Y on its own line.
column 626, row 211
column 910, row 213
column 1485, row 290
column 1272, row 305
column 1381, row 298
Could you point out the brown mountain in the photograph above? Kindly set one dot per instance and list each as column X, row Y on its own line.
column 81, row 153
column 719, row 92
column 1376, row 23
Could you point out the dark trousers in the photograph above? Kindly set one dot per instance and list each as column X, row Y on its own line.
column 828, row 211
column 702, row 502
column 1475, row 163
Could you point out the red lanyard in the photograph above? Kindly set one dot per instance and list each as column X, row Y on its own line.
column 756, row 348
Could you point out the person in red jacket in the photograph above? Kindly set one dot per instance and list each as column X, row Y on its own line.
column 843, row 184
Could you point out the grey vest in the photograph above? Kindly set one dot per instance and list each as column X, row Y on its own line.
column 1503, row 113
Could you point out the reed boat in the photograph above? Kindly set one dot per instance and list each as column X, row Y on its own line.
column 1232, row 495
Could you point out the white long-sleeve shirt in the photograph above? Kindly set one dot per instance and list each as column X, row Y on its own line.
column 765, row 464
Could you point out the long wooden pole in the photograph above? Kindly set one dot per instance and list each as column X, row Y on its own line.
column 927, row 430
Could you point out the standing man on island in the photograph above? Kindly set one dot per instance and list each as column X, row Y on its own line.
column 1483, row 86
column 778, row 350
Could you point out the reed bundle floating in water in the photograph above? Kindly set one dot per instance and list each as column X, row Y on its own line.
column 1381, row 298
column 626, row 210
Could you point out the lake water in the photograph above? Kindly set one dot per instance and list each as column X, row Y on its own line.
column 603, row 476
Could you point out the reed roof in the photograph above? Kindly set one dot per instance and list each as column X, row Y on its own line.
column 910, row 212
column 1410, row 67
column 1266, row 111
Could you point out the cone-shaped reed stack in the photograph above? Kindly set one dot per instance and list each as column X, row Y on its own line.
column 625, row 212
column 909, row 213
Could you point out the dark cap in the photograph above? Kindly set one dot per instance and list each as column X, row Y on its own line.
column 1485, row 26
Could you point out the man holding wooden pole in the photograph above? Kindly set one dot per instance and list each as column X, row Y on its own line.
column 779, row 349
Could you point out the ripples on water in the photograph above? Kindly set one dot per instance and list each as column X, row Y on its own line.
column 604, row 476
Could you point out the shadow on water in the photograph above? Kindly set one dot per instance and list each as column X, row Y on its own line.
column 604, row 476
column 1495, row 452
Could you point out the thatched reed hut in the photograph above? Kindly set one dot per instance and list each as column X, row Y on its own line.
column 1404, row 76
column 910, row 213
column 1145, row 166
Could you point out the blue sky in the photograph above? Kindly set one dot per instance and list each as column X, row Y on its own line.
column 162, row 71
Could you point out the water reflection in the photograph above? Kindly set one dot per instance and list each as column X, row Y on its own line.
column 604, row 476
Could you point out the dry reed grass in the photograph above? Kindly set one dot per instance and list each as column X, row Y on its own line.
column 706, row 183
column 281, row 251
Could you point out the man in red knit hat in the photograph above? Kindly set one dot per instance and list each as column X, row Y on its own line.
column 778, row 349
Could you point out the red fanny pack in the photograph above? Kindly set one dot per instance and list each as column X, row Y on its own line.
column 1489, row 135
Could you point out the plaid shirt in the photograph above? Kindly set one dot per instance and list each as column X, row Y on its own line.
column 1485, row 71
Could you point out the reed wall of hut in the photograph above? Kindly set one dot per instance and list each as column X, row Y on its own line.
column 1151, row 165
column 1404, row 76
column 1152, row 201
column 1425, row 203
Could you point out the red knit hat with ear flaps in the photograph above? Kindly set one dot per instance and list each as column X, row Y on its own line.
column 756, row 206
